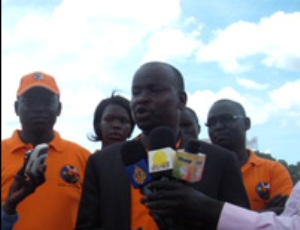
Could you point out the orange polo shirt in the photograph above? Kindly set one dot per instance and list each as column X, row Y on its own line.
column 140, row 217
column 264, row 179
column 54, row 204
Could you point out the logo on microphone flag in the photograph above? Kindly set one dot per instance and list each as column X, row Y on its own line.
column 188, row 167
column 161, row 159
column 139, row 174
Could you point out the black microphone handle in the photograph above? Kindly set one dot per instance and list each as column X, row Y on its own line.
column 167, row 221
column 159, row 221
column 162, row 223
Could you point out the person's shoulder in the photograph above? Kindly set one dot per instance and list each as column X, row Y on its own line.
column 268, row 163
column 6, row 139
column 11, row 139
column 265, row 161
column 74, row 147
column 6, row 142
column 78, row 146
column 12, row 143
column 215, row 150
column 109, row 151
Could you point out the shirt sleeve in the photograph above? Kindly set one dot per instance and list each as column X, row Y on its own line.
column 234, row 217
column 281, row 181
column 7, row 221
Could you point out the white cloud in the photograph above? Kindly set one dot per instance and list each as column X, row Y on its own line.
column 286, row 100
column 275, row 37
column 247, row 83
column 282, row 102
column 87, row 39
column 190, row 21
column 108, row 29
column 170, row 43
column 258, row 109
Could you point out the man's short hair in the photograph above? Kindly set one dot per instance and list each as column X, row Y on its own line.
column 177, row 74
column 235, row 103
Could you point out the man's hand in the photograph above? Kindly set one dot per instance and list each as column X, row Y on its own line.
column 22, row 187
column 276, row 204
column 278, row 201
column 173, row 198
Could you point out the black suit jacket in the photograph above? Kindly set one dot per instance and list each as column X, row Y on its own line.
column 106, row 195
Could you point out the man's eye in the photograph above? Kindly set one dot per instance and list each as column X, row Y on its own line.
column 227, row 118
column 212, row 121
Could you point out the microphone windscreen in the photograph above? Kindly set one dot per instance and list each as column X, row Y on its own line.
column 193, row 147
column 162, row 137
column 162, row 152
column 132, row 152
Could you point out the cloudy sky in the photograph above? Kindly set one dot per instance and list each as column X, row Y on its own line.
column 248, row 51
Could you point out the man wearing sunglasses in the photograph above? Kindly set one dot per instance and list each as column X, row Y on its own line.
column 268, row 183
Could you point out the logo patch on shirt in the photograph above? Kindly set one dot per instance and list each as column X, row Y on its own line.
column 263, row 190
column 70, row 174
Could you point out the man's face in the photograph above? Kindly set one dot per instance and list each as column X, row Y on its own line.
column 188, row 124
column 38, row 109
column 155, row 97
column 226, row 125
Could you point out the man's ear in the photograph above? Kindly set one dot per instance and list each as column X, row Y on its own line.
column 59, row 109
column 182, row 99
column 247, row 123
column 16, row 108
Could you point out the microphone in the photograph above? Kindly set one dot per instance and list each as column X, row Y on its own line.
column 189, row 164
column 36, row 158
column 134, row 157
column 162, row 153
column 161, row 160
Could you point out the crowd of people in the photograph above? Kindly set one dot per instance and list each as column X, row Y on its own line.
column 77, row 189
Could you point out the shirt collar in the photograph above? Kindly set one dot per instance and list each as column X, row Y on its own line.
column 15, row 143
column 178, row 142
column 253, row 159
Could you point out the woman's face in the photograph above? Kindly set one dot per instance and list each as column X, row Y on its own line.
column 115, row 125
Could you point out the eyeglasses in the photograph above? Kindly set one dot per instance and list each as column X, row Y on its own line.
column 224, row 119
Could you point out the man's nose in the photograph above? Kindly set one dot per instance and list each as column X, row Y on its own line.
column 143, row 97
column 219, row 123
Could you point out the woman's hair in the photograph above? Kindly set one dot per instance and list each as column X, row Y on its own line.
column 113, row 100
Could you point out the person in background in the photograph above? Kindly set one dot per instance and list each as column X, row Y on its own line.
column 268, row 183
column 112, row 121
column 189, row 123
column 109, row 200
column 179, row 200
column 22, row 186
column 55, row 203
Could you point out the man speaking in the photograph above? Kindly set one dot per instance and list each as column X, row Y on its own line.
column 109, row 201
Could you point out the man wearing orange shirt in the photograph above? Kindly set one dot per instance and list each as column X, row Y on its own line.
column 55, row 203
column 268, row 183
